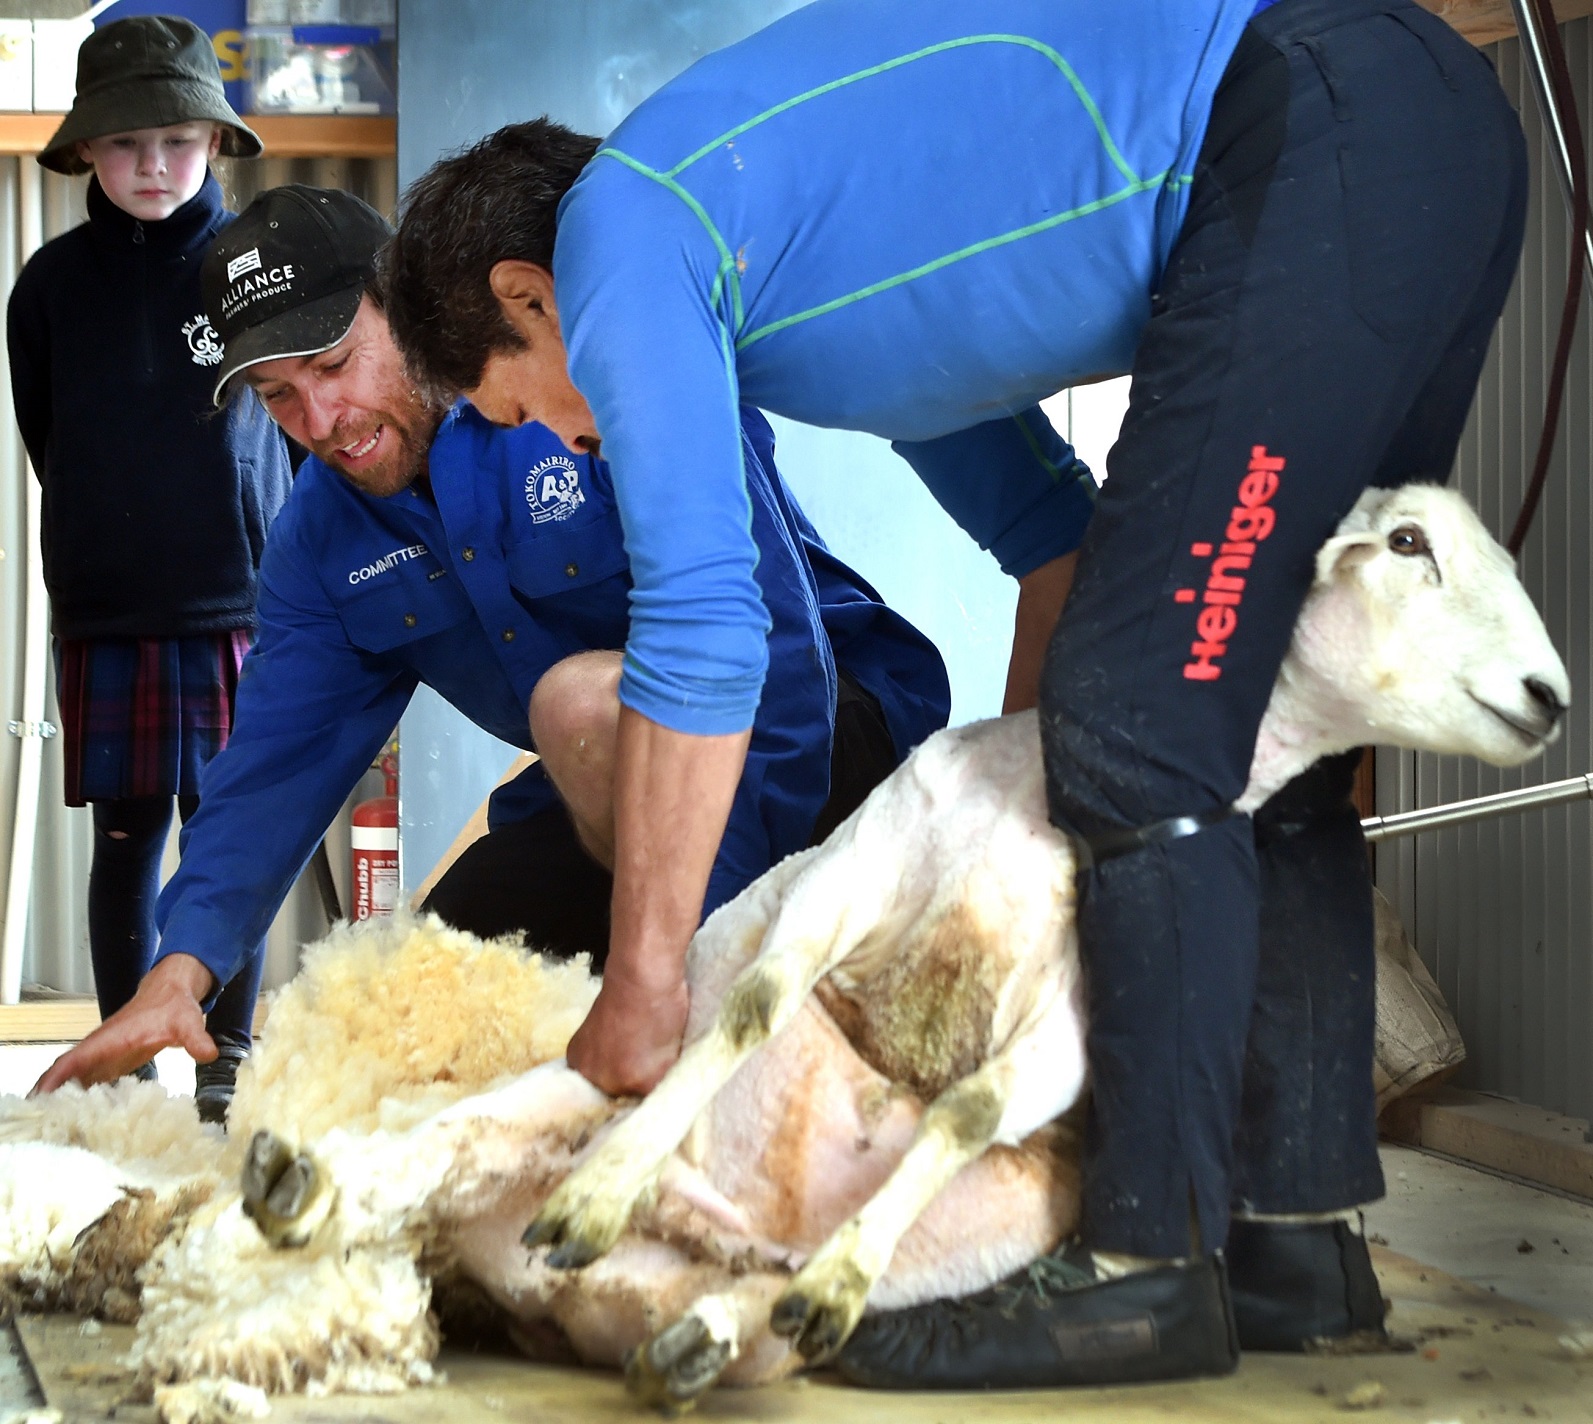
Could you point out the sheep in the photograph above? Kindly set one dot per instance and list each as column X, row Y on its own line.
column 936, row 925
column 885, row 1034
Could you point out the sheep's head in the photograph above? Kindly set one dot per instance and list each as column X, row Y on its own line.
column 1419, row 624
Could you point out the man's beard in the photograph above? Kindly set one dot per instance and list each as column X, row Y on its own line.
column 407, row 438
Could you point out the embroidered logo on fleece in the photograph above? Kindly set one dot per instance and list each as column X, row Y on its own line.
column 553, row 489
column 1251, row 521
column 203, row 343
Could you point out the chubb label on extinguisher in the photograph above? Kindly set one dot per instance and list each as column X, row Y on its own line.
column 375, row 870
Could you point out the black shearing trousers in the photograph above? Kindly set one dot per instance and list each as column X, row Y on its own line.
column 1355, row 221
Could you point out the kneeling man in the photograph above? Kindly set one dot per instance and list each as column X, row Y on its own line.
column 425, row 545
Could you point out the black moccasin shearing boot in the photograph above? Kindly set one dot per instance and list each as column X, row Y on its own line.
column 1054, row 1323
column 1297, row 1285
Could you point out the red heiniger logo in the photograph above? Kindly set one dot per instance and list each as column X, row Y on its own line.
column 1252, row 520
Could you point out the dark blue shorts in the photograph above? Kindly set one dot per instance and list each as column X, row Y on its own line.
column 530, row 877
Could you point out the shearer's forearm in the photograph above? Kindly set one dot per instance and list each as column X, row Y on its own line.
column 672, row 796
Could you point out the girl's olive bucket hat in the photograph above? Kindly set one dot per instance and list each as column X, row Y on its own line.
column 146, row 72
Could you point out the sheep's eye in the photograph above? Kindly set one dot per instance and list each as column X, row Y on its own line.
column 1409, row 539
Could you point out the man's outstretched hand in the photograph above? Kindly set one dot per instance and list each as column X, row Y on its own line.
column 164, row 1013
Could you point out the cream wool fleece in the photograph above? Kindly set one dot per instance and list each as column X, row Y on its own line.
column 68, row 1159
column 408, row 1016
column 384, row 1026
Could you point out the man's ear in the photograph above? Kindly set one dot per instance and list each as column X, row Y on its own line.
column 525, row 295
column 215, row 142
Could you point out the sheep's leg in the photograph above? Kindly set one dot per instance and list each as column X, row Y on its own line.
column 1035, row 1077
column 679, row 1364
column 467, row 1149
column 586, row 1215
column 827, row 905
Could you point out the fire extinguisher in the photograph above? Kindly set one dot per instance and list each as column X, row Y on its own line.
column 374, row 873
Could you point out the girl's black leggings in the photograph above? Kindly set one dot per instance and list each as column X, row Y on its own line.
column 124, row 881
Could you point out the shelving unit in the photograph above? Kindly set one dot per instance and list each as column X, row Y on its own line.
column 284, row 136
column 1484, row 21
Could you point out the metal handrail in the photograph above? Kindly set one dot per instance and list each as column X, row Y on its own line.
column 1481, row 808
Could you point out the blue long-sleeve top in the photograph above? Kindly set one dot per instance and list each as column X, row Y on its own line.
column 513, row 562
column 915, row 219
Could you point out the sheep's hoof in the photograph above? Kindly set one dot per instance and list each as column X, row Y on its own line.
column 286, row 1196
column 268, row 1154
column 673, row 1369
column 569, row 1252
column 579, row 1227
column 817, row 1313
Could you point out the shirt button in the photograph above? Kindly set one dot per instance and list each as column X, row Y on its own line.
column 570, row 570
column 508, row 635
column 410, row 620
column 467, row 554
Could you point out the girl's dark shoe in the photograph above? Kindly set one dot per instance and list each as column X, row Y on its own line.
column 214, row 1083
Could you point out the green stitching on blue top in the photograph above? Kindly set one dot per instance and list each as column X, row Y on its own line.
column 972, row 250
column 728, row 270
column 1038, row 46
column 1046, row 463
column 1075, row 469
column 727, row 261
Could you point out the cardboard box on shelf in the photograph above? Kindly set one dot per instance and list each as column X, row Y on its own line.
column 16, row 65
column 45, row 9
column 55, row 45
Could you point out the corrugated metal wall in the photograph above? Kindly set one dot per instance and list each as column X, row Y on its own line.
column 1503, row 911
column 57, row 941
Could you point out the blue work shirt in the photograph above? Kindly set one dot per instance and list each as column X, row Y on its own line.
column 513, row 562
column 915, row 219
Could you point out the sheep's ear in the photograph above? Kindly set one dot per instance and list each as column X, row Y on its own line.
column 1344, row 552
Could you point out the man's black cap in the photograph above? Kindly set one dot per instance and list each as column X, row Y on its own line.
column 286, row 278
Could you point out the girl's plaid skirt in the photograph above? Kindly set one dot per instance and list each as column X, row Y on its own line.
column 144, row 716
